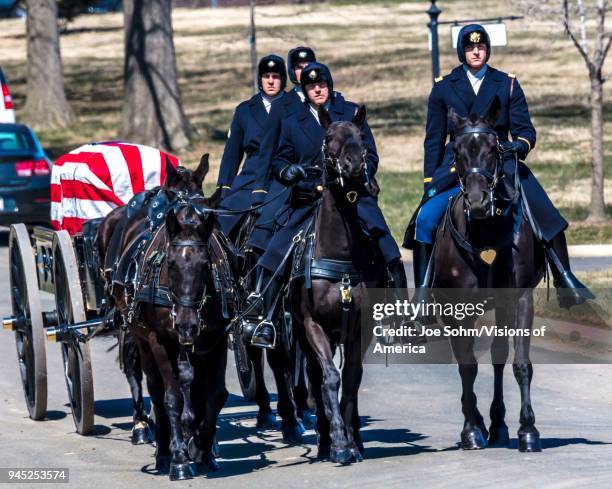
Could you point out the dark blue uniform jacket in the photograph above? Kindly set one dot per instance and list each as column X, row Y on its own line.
column 455, row 90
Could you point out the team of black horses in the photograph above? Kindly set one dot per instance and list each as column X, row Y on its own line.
column 178, row 286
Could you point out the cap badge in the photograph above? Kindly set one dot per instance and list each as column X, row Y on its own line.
column 271, row 64
column 312, row 75
column 475, row 37
column 302, row 54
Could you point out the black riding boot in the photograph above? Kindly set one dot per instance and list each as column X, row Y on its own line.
column 264, row 333
column 420, row 260
column 398, row 274
column 570, row 290
column 421, row 255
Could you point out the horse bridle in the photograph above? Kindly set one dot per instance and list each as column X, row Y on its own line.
column 491, row 178
column 334, row 162
column 198, row 303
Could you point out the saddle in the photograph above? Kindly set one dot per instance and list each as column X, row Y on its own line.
column 307, row 266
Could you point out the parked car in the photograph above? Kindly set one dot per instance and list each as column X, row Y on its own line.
column 25, row 177
column 69, row 9
column 12, row 8
column 7, row 112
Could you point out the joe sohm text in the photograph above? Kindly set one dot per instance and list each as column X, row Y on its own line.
column 398, row 339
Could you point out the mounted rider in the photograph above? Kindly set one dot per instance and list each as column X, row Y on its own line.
column 267, row 188
column 298, row 163
column 249, row 125
column 470, row 88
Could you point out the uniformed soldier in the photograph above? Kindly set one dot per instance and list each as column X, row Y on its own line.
column 267, row 188
column 470, row 88
column 246, row 132
column 299, row 149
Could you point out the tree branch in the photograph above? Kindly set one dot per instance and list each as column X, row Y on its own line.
column 571, row 35
column 606, row 49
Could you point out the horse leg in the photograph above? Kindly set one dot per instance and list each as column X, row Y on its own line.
column 498, row 430
column 186, row 375
column 474, row 434
column 210, row 389
column 316, row 380
column 291, row 428
column 155, row 385
column 141, row 433
column 301, row 393
column 265, row 417
column 179, row 465
column 352, row 374
column 319, row 342
column 528, row 435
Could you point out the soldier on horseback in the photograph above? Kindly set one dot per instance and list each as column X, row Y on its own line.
column 298, row 164
column 247, row 130
column 470, row 88
column 267, row 187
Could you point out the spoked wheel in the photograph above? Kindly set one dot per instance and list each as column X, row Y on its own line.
column 28, row 321
column 75, row 354
column 244, row 368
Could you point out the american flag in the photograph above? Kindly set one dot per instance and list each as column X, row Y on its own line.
column 93, row 179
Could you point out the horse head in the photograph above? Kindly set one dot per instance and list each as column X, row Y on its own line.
column 343, row 149
column 478, row 159
column 183, row 181
column 189, row 229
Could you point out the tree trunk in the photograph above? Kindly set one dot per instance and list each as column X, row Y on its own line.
column 152, row 109
column 46, row 106
column 597, row 211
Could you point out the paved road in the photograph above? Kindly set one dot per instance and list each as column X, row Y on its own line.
column 411, row 417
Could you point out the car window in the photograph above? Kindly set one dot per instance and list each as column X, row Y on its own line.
column 12, row 141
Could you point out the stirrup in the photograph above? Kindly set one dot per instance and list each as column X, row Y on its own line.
column 258, row 341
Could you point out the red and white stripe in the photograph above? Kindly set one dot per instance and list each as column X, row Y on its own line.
column 93, row 179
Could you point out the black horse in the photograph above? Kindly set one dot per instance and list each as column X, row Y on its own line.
column 486, row 242
column 107, row 241
column 179, row 326
column 327, row 311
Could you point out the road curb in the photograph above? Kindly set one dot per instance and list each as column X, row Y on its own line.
column 575, row 251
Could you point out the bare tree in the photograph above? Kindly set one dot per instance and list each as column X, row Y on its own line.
column 46, row 105
column 578, row 17
column 594, row 61
column 152, row 110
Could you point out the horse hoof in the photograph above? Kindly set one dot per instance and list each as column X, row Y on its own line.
column 266, row 421
column 499, row 436
column 529, row 442
column 162, row 464
column 473, row 439
column 342, row 457
column 208, row 465
column 141, row 436
column 293, row 434
column 357, row 455
column 309, row 418
column 180, row 472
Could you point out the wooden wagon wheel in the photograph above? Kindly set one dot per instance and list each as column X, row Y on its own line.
column 28, row 321
column 75, row 354
column 244, row 369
